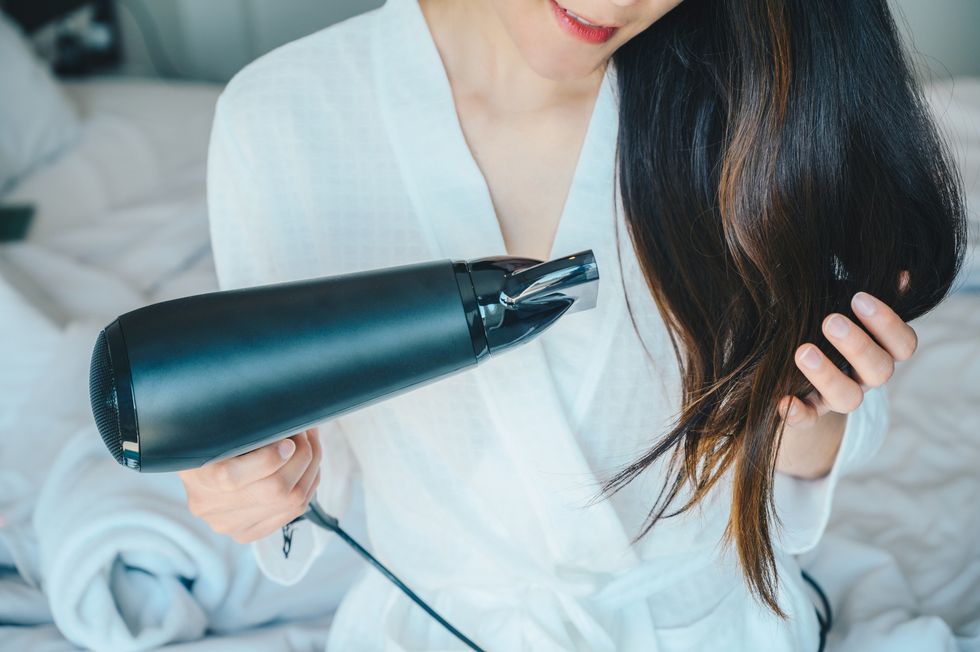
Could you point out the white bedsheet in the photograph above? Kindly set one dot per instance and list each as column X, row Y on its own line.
column 901, row 557
column 122, row 222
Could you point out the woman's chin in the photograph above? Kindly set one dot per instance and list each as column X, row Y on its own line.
column 561, row 64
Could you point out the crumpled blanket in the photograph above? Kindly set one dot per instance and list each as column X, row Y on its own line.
column 125, row 565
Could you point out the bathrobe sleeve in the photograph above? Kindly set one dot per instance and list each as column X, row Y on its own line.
column 245, row 216
column 803, row 506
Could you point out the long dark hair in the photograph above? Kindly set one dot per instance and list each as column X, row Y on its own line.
column 774, row 157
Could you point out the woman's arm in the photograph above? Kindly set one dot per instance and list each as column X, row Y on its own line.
column 815, row 426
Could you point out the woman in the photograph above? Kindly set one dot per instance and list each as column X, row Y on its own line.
column 788, row 209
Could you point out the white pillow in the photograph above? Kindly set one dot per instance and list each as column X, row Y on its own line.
column 36, row 120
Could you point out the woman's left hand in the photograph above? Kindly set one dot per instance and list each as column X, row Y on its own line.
column 872, row 362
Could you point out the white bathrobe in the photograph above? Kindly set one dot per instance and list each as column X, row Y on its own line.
column 343, row 152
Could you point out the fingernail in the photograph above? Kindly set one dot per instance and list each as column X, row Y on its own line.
column 286, row 448
column 864, row 304
column 793, row 408
column 810, row 357
column 837, row 326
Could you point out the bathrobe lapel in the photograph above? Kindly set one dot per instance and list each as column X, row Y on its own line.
column 452, row 203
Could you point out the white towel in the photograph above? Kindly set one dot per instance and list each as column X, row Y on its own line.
column 304, row 636
column 52, row 404
column 20, row 603
column 127, row 567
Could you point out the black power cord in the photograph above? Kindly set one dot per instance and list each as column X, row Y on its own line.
column 317, row 516
column 826, row 619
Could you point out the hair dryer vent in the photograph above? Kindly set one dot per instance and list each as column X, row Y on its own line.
column 105, row 402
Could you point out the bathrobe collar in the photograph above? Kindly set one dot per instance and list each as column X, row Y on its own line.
column 451, row 200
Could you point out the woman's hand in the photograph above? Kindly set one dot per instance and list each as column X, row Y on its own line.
column 252, row 495
column 815, row 424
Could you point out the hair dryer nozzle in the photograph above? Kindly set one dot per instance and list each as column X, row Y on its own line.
column 519, row 298
column 572, row 279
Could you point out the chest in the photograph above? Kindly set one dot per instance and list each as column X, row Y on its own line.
column 528, row 161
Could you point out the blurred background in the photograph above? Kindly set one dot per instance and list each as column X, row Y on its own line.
column 212, row 40
column 105, row 115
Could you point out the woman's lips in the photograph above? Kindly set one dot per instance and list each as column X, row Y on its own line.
column 579, row 29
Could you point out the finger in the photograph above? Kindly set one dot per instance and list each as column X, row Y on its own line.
column 311, row 492
column 233, row 473
column 268, row 525
column 307, row 484
column 304, row 486
column 233, row 521
column 260, row 527
column 799, row 412
column 897, row 337
column 872, row 364
column 313, row 434
column 276, row 487
column 903, row 281
column 838, row 391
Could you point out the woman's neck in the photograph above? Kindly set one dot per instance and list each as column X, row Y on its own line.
column 484, row 64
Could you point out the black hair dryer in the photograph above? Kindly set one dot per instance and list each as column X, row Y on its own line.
column 180, row 383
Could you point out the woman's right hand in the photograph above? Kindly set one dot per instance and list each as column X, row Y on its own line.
column 250, row 496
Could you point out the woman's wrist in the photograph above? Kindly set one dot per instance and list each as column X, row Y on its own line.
column 808, row 451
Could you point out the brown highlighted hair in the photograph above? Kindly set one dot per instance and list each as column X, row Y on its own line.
column 774, row 157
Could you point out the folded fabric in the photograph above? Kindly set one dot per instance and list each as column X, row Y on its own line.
column 20, row 603
column 126, row 566
column 43, row 638
column 301, row 636
column 51, row 405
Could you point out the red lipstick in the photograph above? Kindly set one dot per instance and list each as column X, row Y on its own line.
column 580, row 29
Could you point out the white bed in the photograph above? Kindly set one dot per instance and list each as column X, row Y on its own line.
column 121, row 222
